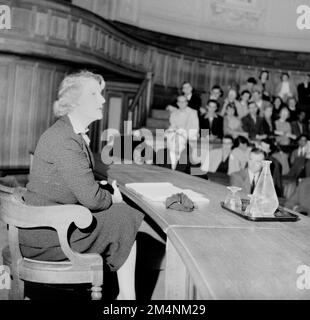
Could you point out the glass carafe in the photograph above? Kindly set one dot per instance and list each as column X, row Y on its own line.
column 264, row 201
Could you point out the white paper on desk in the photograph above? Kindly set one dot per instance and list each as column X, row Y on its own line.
column 160, row 191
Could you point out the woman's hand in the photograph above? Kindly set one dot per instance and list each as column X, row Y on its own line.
column 116, row 196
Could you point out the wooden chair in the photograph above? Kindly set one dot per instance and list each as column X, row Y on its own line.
column 79, row 268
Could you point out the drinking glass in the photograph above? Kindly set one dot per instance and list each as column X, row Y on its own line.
column 233, row 201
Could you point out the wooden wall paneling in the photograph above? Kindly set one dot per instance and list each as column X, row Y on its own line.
column 20, row 111
column 4, row 103
column 21, row 21
column 217, row 74
column 32, row 113
column 41, row 23
column 230, row 75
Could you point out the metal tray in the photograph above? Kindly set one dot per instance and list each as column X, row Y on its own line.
column 281, row 214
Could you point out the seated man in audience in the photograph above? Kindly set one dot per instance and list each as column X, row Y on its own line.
column 250, row 85
column 300, row 201
column 240, row 155
column 219, row 157
column 258, row 99
column 252, row 122
column 300, row 125
column 267, row 126
column 247, row 178
column 298, row 157
column 216, row 94
column 303, row 90
column 212, row 121
column 268, row 146
column 193, row 99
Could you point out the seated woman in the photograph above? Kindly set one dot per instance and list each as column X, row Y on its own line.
column 283, row 128
column 239, row 155
column 232, row 124
column 62, row 173
column 277, row 104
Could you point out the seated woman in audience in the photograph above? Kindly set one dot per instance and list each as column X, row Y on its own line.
column 243, row 107
column 184, row 118
column 286, row 88
column 264, row 85
column 267, row 126
column 232, row 124
column 283, row 128
column 62, row 173
column 239, row 155
column 277, row 106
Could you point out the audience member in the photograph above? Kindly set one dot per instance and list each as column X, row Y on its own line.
column 267, row 126
column 300, row 126
column 231, row 99
column 283, row 128
column 247, row 178
column 193, row 99
column 251, row 122
column 277, row 106
column 261, row 104
column 292, row 107
column 264, row 85
column 268, row 146
column 184, row 118
column 242, row 107
column 250, row 85
column 303, row 90
column 298, row 158
column 232, row 124
column 285, row 88
column 239, row 155
column 212, row 121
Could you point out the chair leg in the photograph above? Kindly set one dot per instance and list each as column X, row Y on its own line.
column 96, row 293
column 17, row 289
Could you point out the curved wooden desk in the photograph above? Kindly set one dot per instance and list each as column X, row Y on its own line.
column 213, row 254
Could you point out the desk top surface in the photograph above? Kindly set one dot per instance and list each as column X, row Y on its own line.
column 207, row 214
column 245, row 263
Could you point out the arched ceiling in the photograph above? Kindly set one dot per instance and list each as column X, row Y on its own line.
column 269, row 24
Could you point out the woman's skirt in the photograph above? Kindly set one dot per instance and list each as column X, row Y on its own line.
column 111, row 234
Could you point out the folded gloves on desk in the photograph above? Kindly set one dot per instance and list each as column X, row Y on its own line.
column 180, row 202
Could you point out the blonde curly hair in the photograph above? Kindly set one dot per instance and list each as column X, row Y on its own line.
column 70, row 89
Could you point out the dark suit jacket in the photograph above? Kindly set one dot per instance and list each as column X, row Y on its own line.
column 241, row 179
column 216, row 127
column 303, row 94
column 62, row 171
column 264, row 128
column 249, row 126
column 296, row 128
column 195, row 102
